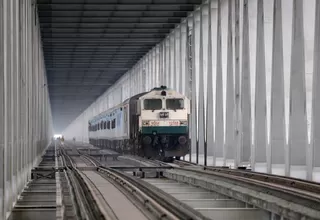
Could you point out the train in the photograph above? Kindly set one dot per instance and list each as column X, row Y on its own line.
column 152, row 124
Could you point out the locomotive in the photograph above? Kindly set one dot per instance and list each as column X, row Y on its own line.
column 152, row 124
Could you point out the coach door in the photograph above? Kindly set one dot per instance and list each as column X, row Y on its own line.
column 125, row 120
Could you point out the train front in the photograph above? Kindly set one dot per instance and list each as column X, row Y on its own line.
column 164, row 123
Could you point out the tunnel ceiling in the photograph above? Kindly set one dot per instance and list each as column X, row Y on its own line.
column 89, row 44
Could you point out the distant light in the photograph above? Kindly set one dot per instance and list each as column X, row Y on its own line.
column 57, row 136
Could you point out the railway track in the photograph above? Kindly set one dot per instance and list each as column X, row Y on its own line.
column 209, row 190
column 113, row 191
column 192, row 199
column 289, row 197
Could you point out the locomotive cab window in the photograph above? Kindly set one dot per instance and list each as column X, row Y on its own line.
column 152, row 104
column 174, row 104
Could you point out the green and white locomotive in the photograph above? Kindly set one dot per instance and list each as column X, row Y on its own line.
column 152, row 124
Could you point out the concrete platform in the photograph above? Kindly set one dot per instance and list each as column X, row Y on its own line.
column 210, row 204
column 262, row 199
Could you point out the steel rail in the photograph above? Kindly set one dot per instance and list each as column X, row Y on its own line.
column 164, row 205
column 88, row 208
column 294, row 183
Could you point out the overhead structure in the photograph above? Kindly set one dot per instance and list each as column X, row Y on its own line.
column 88, row 45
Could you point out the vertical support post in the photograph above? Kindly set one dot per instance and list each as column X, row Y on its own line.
column 205, row 36
column 314, row 167
column 177, row 59
column 230, row 101
column 193, row 94
column 16, row 99
column 260, row 125
column 277, row 127
column 201, row 69
column 212, row 57
column 3, row 30
column 245, row 90
column 172, row 75
column 198, row 70
column 183, row 59
column 157, row 66
column 167, row 63
column 10, row 115
column 219, row 130
column 238, row 129
column 298, row 141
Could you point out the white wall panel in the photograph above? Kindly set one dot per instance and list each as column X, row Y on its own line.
column 247, row 66
column 25, row 114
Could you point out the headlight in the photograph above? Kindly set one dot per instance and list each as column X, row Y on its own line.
column 145, row 123
column 182, row 140
column 183, row 122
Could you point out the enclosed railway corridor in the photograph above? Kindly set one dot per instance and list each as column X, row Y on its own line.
column 249, row 67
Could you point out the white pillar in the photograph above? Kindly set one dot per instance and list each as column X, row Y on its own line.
column 277, row 127
column 245, row 152
column 298, row 141
column 260, row 125
column 315, row 120
column 229, row 147
column 219, row 129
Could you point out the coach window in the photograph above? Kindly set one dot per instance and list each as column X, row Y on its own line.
column 108, row 125
column 105, row 125
column 152, row 104
column 174, row 104
column 113, row 124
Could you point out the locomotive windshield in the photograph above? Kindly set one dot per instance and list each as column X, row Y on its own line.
column 152, row 104
column 174, row 104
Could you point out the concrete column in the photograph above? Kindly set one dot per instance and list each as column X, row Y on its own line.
column 219, row 129
column 298, row 141
column 166, row 61
column 15, row 98
column 238, row 128
column 197, row 71
column 9, row 96
column 209, row 108
column 229, row 147
column 260, row 124
column 144, row 76
column 190, row 63
column 203, row 40
column 162, row 61
column 3, row 67
column 172, row 64
column 149, row 71
column 154, row 68
column 29, row 86
column 193, row 93
column 183, row 58
column 157, row 66
column 277, row 127
column 177, row 39
column 314, row 169
column 245, row 152
column 24, row 90
column 205, row 36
